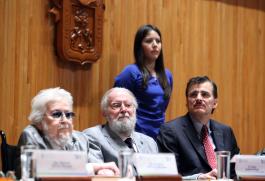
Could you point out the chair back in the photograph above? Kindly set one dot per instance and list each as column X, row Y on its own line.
column 8, row 154
column 261, row 152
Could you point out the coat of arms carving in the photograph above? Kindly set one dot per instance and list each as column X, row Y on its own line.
column 79, row 29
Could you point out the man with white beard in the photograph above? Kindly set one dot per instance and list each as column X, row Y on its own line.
column 118, row 106
column 51, row 127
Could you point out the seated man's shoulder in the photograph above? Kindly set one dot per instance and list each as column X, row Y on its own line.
column 149, row 142
column 220, row 125
column 145, row 138
column 30, row 135
column 93, row 130
column 30, row 132
column 142, row 136
column 80, row 137
column 29, row 129
column 95, row 133
column 77, row 133
column 175, row 123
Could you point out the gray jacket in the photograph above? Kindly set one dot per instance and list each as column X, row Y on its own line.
column 32, row 136
column 108, row 144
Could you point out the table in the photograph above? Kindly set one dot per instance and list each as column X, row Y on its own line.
column 98, row 178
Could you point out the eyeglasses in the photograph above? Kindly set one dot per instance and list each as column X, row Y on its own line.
column 118, row 105
column 60, row 114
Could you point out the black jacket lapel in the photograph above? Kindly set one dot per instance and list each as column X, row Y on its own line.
column 218, row 136
column 193, row 137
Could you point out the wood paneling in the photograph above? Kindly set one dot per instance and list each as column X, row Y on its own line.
column 224, row 39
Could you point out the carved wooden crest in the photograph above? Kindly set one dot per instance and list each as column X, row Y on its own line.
column 79, row 29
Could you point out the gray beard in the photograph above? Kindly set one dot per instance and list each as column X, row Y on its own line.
column 57, row 143
column 60, row 143
column 122, row 126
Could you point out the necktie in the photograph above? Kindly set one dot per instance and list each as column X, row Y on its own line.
column 208, row 147
column 129, row 143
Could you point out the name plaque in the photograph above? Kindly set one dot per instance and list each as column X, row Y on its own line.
column 57, row 163
column 250, row 165
column 155, row 164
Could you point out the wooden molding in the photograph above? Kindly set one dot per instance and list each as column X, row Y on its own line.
column 79, row 29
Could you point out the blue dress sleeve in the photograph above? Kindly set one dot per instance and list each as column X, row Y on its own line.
column 127, row 78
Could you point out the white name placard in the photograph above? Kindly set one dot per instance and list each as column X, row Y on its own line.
column 155, row 164
column 250, row 165
column 60, row 163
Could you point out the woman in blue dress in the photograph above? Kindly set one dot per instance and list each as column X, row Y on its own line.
column 148, row 79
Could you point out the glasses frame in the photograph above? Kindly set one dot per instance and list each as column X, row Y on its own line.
column 69, row 115
column 118, row 105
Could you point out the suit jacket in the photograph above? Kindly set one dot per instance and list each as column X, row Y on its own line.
column 108, row 144
column 32, row 136
column 180, row 137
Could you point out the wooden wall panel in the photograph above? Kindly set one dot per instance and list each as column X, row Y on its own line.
column 224, row 39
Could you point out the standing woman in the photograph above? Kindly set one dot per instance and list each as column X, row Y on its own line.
column 148, row 79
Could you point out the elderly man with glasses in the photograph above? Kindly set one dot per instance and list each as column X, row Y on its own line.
column 52, row 127
column 118, row 106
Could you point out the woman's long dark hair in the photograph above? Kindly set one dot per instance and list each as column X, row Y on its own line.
column 159, row 64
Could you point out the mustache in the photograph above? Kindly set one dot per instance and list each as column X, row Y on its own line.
column 63, row 126
column 198, row 103
column 124, row 117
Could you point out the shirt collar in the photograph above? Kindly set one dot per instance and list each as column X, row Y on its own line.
column 198, row 125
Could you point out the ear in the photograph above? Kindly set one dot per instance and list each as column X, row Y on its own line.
column 39, row 125
column 215, row 103
column 104, row 113
column 187, row 103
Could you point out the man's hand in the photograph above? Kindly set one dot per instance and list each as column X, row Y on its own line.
column 106, row 169
column 212, row 175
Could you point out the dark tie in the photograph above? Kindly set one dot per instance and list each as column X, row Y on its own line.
column 208, row 147
column 129, row 142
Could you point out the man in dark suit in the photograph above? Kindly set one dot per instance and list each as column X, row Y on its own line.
column 183, row 136
column 118, row 106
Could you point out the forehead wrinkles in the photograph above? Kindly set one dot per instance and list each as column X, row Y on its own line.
column 62, row 105
column 120, row 97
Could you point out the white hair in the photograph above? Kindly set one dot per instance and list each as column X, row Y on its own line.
column 105, row 99
column 45, row 96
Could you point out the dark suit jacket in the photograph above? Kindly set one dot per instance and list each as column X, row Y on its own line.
column 180, row 137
